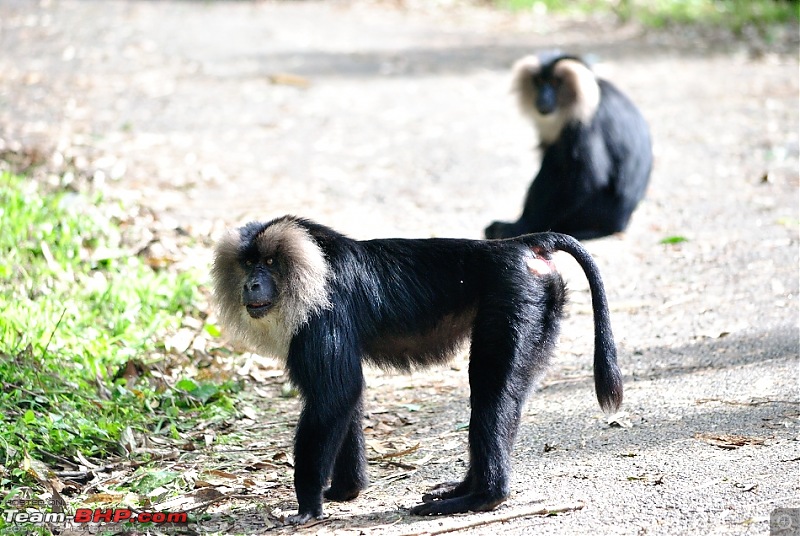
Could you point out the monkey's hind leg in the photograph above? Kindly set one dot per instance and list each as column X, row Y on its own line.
column 486, row 483
column 500, row 377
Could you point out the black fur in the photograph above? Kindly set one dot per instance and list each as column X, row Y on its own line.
column 403, row 304
column 594, row 174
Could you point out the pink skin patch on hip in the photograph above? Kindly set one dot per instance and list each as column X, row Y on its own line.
column 539, row 265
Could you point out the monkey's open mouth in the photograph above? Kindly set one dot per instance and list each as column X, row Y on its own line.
column 259, row 309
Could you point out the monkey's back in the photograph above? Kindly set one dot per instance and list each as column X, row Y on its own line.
column 631, row 151
column 422, row 296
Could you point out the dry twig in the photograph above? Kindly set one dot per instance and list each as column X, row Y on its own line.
column 502, row 517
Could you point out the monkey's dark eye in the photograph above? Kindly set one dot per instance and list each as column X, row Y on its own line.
column 248, row 263
column 269, row 261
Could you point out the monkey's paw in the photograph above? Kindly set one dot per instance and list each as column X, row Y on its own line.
column 301, row 518
column 473, row 502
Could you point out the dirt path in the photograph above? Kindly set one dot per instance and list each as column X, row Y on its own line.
column 382, row 121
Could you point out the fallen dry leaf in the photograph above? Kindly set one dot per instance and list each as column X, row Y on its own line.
column 190, row 500
column 621, row 419
column 289, row 79
column 105, row 498
column 221, row 474
column 729, row 441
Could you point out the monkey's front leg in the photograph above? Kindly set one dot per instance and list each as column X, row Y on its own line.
column 349, row 475
column 309, row 468
column 318, row 439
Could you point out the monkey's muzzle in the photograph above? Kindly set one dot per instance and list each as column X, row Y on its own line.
column 258, row 309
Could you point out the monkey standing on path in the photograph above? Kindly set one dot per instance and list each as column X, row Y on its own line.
column 324, row 303
column 597, row 153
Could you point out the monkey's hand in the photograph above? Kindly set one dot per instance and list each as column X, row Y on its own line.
column 495, row 230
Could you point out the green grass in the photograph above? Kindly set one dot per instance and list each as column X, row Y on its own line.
column 75, row 308
column 734, row 14
column 672, row 240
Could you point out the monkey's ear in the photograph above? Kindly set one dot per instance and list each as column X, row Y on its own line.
column 522, row 86
column 584, row 94
column 522, row 71
column 226, row 270
column 228, row 279
column 229, row 245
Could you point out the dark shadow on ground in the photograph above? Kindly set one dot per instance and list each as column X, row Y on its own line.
column 442, row 61
column 781, row 342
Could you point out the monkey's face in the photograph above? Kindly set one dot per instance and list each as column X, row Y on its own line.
column 555, row 92
column 259, row 292
column 268, row 279
column 546, row 91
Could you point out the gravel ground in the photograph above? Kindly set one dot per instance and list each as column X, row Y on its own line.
column 395, row 119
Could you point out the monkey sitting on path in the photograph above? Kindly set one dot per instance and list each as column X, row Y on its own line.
column 596, row 151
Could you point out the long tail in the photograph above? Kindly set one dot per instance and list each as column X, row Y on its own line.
column 607, row 376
